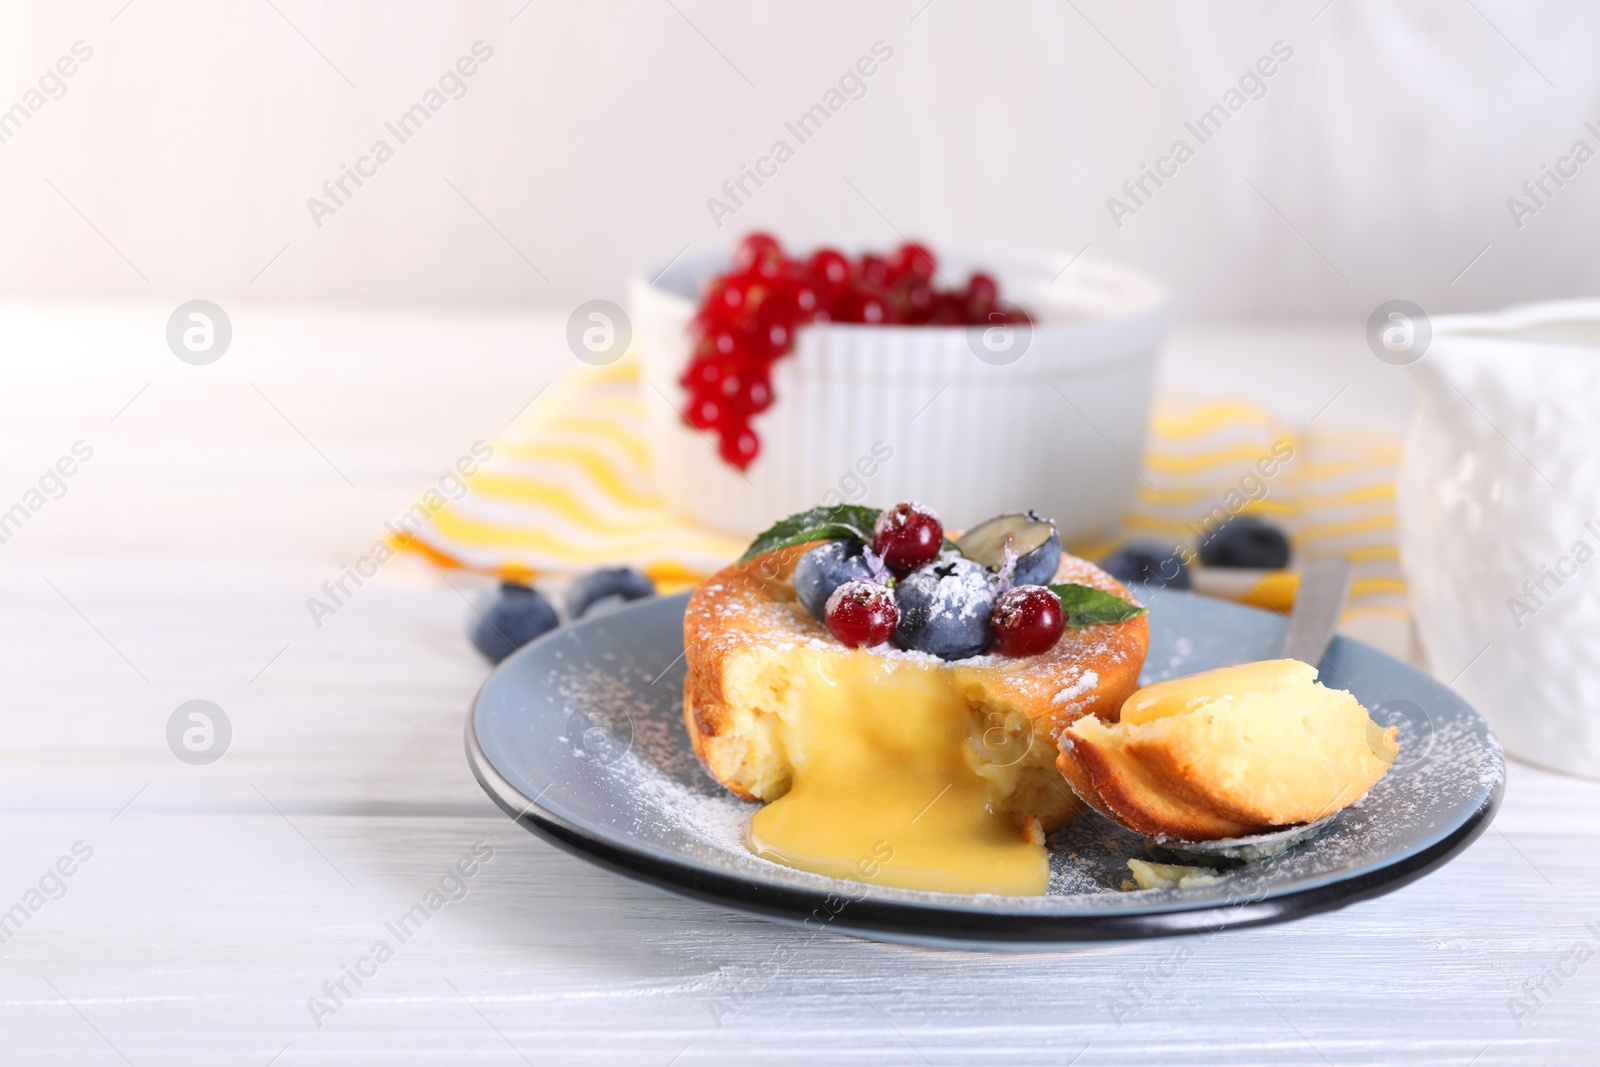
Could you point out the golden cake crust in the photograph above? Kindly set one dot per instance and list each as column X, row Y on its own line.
column 748, row 612
column 1123, row 790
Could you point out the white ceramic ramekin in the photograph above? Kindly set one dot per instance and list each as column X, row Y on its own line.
column 972, row 424
column 1499, row 507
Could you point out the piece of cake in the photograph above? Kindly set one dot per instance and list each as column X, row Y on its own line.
column 1229, row 752
column 892, row 765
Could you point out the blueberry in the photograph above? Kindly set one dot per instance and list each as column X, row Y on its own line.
column 944, row 608
column 1031, row 536
column 606, row 590
column 824, row 569
column 512, row 617
column 1246, row 541
column 1149, row 563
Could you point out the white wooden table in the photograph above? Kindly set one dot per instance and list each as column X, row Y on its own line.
column 219, row 899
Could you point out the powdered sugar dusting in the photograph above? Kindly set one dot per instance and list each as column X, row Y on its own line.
column 617, row 759
column 1071, row 695
column 663, row 798
column 955, row 588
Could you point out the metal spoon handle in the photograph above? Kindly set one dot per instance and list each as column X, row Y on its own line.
column 1318, row 603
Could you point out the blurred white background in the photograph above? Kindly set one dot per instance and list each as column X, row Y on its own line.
column 1377, row 164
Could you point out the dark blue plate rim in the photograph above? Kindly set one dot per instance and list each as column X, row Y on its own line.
column 936, row 924
column 875, row 918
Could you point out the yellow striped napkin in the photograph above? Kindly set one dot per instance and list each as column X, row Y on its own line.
column 569, row 488
column 1332, row 490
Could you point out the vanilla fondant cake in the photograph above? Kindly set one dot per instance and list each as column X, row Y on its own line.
column 891, row 764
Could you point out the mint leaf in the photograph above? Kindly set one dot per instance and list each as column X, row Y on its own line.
column 1085, row 606
column 833, row 523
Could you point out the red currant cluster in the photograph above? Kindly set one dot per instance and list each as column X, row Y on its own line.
column 1027, row 619
column 748, row 319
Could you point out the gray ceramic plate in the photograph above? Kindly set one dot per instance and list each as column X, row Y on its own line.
column 579, row 737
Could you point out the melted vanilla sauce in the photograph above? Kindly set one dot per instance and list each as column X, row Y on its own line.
column 885, row 789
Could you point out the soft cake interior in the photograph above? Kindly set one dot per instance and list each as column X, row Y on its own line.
column 882, row 764
column 947, row 765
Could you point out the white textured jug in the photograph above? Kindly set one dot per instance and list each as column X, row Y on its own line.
column 885, row 413
column 1500, row 523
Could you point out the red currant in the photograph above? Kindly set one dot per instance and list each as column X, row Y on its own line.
column 913, row 260
column 752, row 393
column 861, row 306
column 875, row 270
column 758, row 254
column 768, row 338
column 982, row 288
column 914, row 301
column 828, row 270
column 797, row 301
column 749, row 316
column 738, row 444
column 907, row 536
column 862, row 614
column 1027, row 620
column 719, row 342
column 759, row 291
column 705, row 375
column 726, row 298
column 949, row 310
column 703, row 412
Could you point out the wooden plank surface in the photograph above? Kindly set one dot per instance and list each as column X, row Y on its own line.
column 219, row 899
